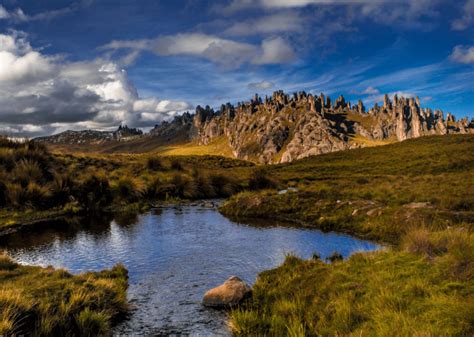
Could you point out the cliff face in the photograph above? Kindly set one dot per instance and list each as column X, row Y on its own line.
column 282, row 128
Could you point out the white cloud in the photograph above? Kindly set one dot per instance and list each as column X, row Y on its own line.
column 18, row 15
column 263, row 85
column 276, row 23
column 44, row 94
column 467, row 18
column 402, row 13
column 239, row 5
column 275, row 50
column 15, row 15
column 371, row 91
column 4, row 13
column 226, row 52
column 29, row 67
column 463, row 54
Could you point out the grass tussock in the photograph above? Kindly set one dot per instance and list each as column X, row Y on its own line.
column 411, row 292
column 35, row 181
column 45, row 302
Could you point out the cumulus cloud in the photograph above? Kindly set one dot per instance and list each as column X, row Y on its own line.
column 222, row 51
column 463, row 54
column 467, row 18
column 263, row 85
column 43, row 94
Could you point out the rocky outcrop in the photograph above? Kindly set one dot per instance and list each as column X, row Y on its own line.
column 228, row 294
column 283, row 127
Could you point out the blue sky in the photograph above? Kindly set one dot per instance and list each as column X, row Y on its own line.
column 96, row 64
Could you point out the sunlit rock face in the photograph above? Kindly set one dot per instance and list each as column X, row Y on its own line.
column 282, row 128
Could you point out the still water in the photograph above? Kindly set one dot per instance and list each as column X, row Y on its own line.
column 173, row 255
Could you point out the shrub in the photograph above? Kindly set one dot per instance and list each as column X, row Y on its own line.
column 154, row 164
column 27, row 170
column 37, row 195
column 176, row 165
column 204, row 186
column 184, row 187
column 94, row 193
column 334, row 257
column 224, row 186
column 15, row 194
column 154, row 188
column 128, row 189
column 6, row 262
column 61, row 188
column 259, row 180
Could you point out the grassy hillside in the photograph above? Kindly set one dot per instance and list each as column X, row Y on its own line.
column 417, row 195
column 45, row 302
column 376, row 193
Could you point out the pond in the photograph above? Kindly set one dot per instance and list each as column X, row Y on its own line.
column 174, row 254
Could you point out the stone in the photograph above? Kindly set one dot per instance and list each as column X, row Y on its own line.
column 228, row 294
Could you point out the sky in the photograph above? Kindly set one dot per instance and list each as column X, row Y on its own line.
column 95, row 64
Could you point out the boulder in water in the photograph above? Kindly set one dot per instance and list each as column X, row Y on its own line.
column 228, row 294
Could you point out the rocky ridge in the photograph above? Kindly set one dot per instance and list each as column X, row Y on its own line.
column 87, row 137
column 282, row 127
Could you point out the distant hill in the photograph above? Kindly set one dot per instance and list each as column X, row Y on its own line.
column 280, row 128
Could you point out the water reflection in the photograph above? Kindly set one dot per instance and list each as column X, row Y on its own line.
column 173, row 256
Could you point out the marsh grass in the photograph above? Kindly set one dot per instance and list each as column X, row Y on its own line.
column 387, row 293
column 416, row 195
column 45, row 302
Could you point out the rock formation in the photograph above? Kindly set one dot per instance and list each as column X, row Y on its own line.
column 283, row 127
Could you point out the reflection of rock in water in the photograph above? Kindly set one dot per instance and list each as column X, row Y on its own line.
column 174, row 255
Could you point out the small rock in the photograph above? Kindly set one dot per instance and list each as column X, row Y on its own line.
column 228, row 294
column 374, row 212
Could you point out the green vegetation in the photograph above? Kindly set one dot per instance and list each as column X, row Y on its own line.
column 36, row 184
column 45, row 302
column 378, row 193
column 388, row 293
column 417, row 196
